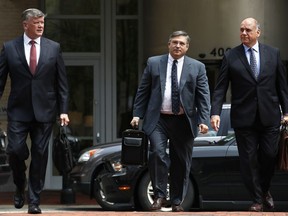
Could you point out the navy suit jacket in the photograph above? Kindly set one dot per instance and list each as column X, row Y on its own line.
column 42, row 96
column 265, row 95
column 193, row 88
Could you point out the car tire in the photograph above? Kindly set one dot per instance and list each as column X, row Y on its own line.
column 100, row 196
column 145, row 195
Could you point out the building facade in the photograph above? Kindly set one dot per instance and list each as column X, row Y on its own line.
column 105, row 45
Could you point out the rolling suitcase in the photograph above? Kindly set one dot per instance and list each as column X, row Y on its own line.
column 134, row 147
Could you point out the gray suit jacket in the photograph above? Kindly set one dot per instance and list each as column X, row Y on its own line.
column 193, row 87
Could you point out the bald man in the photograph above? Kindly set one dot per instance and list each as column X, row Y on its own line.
column 259, row 93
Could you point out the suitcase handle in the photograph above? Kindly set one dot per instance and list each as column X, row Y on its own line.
column 132, row 141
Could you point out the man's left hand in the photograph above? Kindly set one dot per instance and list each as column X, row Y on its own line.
column 64, row 119
column 203, row 128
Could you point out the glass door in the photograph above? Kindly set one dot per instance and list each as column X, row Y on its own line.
column 84, row 113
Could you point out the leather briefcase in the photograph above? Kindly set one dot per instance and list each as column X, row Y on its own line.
column 134, row 147
column 283, row 148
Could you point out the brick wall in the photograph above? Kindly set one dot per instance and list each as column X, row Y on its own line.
column 10, row 17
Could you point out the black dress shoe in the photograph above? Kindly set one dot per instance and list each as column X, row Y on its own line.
column 158, row 203
column 268, row 201
column 256, row 207
column 177, row 208
column 34, row 209
column 19, row 199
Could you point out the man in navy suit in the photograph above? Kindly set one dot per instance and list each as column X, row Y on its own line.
column 161, row 123
column 35, row 100
column 257, row 99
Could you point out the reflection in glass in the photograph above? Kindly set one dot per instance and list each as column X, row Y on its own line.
column 80, row 80
column 126, row 7
column 74, row 35
column 127, row 71
column 71, row 7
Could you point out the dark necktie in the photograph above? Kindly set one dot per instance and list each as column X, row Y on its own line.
column 33, row 61
column 174, row 89
column 253, row 63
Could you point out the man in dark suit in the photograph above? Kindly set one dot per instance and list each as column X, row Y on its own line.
column 155, row 103
column 258, row 94
column 37, row 95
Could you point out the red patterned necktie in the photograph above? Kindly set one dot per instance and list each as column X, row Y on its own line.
column 33, row 56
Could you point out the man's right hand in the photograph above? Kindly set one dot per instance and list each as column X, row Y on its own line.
column 215, row 122
column 135, row 122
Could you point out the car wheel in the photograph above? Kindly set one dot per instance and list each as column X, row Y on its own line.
column 101, row 197
column 145, row 195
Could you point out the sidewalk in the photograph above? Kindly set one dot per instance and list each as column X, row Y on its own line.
column 49, row 198
column 51, row 206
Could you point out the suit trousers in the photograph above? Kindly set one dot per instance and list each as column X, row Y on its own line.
column 258, row 148
column 177, row 162
column 18, row 152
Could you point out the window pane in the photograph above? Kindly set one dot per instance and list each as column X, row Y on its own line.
column 71, row 7
column 80, row 80
column 127, row 71
column 127, row 7
column 75, row 35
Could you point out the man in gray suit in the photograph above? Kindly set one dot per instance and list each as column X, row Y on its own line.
column 259, row 94
column 39, row 92
column 172, row 112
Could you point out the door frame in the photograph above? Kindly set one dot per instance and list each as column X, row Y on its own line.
column 54, row 182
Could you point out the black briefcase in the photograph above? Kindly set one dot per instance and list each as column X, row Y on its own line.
column 134, row 147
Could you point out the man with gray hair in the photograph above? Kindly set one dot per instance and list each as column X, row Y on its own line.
column 174, row 100
column 39, row 92
column 259, row 93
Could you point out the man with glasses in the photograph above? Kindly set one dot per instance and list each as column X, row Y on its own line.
column 174, row 99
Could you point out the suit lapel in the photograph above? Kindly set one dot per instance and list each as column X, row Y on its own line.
column 163, row 72
column 184, row 74
column 44, row 48
column 262, row 55
column 19, row 44
column 242, row 56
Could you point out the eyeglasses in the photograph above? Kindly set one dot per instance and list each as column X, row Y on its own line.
column 175, row 43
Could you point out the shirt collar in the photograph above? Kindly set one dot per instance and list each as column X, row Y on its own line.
column 27, row 39
column 171, row 59
column 255, row 47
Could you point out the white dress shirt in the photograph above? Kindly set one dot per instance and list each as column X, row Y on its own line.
column 167, row 103
column 27, row 47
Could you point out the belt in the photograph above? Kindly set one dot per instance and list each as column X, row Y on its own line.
column 171, row 115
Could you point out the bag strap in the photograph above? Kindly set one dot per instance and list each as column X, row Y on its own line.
column 63, row 129
column 284, row 125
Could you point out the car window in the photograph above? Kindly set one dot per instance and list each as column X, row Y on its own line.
column 225, row 126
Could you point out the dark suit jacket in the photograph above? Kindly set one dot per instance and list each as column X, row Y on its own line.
column 193, row 87
column 41, row 96
column 249, row 95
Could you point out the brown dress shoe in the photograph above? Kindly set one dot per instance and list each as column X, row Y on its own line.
column 177, row 208
column 268, row 201
column 158, row 203
column 256, row 207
